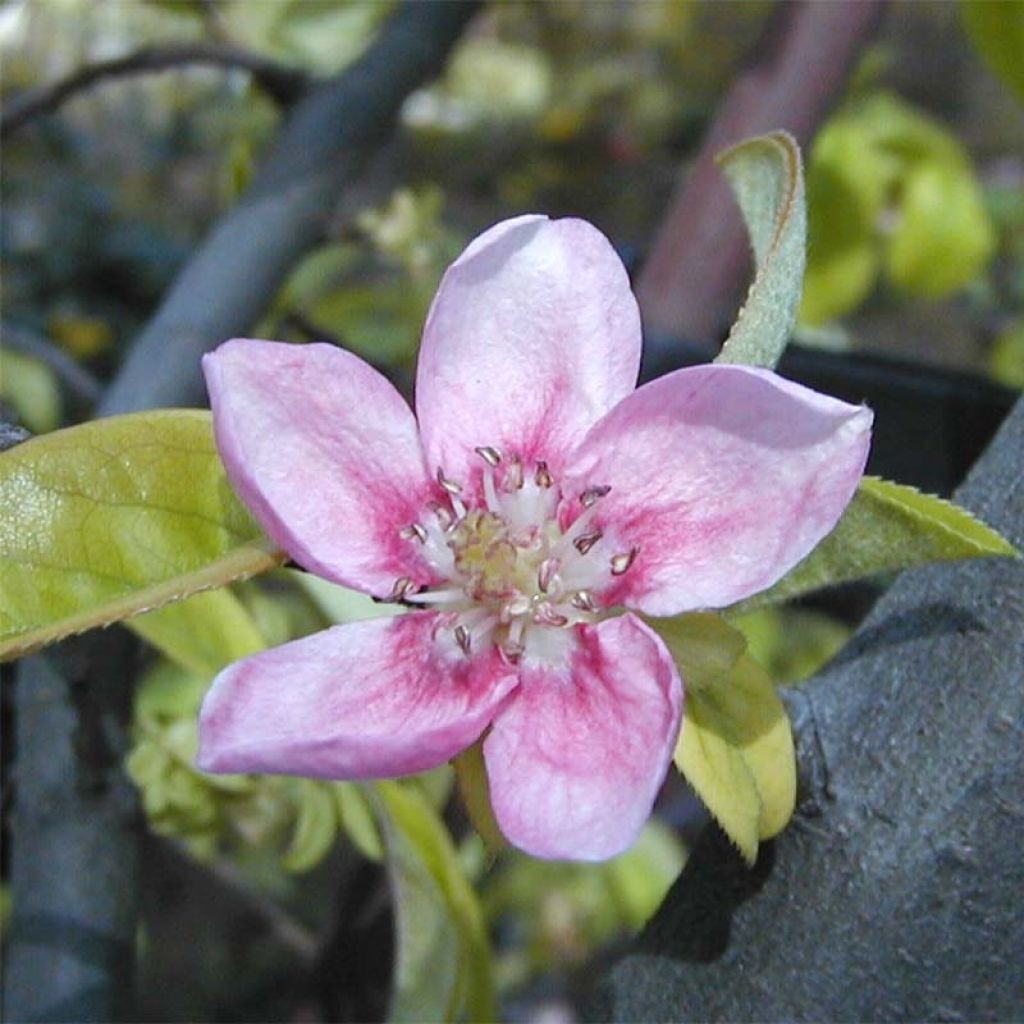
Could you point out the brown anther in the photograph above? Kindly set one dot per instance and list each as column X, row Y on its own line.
column 546, row 573
column 591, row 494
column 584, row 601
column 403, row 585
column 449, row 485
column 490, row 455
column 620, row 563
column 543, row 477
column 514, row 476
column 585, row 542
column 462, row 638
column 413, row 530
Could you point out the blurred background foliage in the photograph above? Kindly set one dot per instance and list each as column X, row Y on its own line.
column 916, row 207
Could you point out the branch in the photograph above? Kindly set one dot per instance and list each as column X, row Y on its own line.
column 74, row 860
column 894, row 894
column 281, row 83
column 233, row 276
column 698, row 266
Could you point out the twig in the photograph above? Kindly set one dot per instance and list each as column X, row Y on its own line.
column 79, row 381
column 697, row 268
column 282, row 83
column 234, row 274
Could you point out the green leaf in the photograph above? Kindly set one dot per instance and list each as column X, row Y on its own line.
column 944, row 237
column 316, row 827
column 471, row 773
column 703, row 645
column 358, row 821
column 996, row 28
column 203, row 633
column 887, row 527
column 736, row 746
column 112, row 518
column 443, row 966
column 31, row 387
column 766, row 176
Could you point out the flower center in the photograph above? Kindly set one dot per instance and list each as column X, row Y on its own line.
column 513, row 576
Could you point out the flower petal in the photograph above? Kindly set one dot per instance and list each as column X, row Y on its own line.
column 369, row 699
column 724, row 477
column 576, row 760
column 532, row 336
column 325, row 453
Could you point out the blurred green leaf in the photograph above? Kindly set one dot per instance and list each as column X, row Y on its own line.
column 943, row 236
column 31, row 387
column 106, row 520
column 203, row 633
column 885, row 528
column 475, row 791
column 167, row 691
column 1006, row 360
column 321, row 35
column 316, row 827
column 340, row 604
column 443, row 965
column 996, row 27
column 889, row 189
column 846, row 193
column 766, row 176
column 357, row 817
column 791, row 644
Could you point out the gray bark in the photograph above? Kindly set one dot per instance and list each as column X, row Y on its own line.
column 895, row 894
column 75, row 859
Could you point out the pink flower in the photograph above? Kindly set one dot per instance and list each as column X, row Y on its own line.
column 539, row 495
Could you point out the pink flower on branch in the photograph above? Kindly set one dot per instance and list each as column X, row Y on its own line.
column 532, row 503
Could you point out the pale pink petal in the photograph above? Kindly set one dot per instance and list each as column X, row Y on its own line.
column 532, row 336
column 365, row 700
column 576, row 759
column 724, row 477
column 325, row 453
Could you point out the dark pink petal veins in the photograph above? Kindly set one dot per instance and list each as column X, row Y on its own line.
column 325, row 453
column 576, row 760
column 532, row 336
column 722, row 478
column 370, row 699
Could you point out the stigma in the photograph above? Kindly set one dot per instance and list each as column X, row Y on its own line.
column 513, row 576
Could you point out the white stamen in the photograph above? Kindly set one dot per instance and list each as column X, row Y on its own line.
column 452, row 596
column 491, row 492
